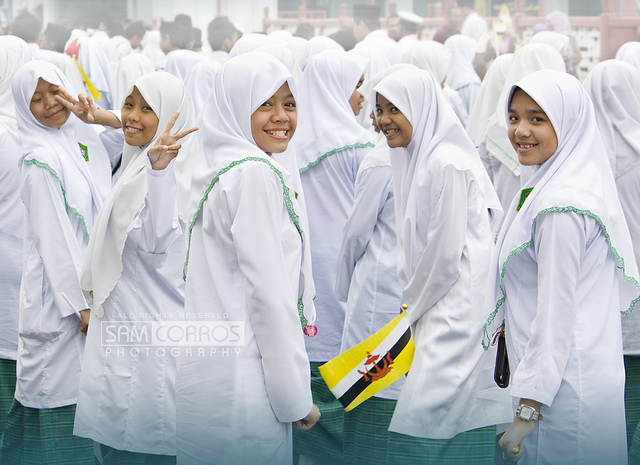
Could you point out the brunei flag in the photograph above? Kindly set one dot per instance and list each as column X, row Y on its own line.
column 375, row 363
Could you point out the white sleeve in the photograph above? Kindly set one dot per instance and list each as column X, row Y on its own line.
column 53, row 236
column 157, row 226
column 438, row 267
column 257, row 224
column 372, row 192
column 559, row 243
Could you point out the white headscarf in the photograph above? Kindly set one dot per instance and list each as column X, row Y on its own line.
column 248, row 43
column 630, row 52
column 180, row 62
column 436, row 129
column 17, row 46
column 526, row 60
column 99, row 60
column 614, row 88
column 300, row 49
column 461, row 72
column 102, row 266
column 9, row 64
column 486, row 100
column 558, row 41
column 199, row 82
column 576, row 178
column 319, row 44
column 561, row 22
column 85, row 184
column 130, row 68
column 429, row 55
column 242, row 85
column 325, row 119
column 284, row 55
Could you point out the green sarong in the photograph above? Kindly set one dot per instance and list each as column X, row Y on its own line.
column 44, row 437
column 475, row 447
column 323, row 442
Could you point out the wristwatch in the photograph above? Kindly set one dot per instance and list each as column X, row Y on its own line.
column 527, row 413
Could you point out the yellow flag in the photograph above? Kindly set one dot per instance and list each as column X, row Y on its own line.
column 95, row 93
column 371, row 366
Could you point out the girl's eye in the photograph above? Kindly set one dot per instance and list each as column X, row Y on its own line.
column 266, row 104
column 290, row 104
column 513, row 118
column 147, row 108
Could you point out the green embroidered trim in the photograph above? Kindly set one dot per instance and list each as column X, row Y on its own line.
column 523, row 196
column 505, row 153
column 467, row 85
column 516, row 251
column 35, row 162
column 84, row 150
column 328, row 154
column 292, row 214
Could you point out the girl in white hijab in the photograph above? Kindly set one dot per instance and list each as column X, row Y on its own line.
column 614, row 88
column 461, row 75
column 630, row 52
column 237, row 399
column 435, row 57
column 497, row 154
column 11, row 231
column 132, row 277
column 488, row 95
column 65, row 176
column 329, row 145
column 444, row 205
column 562, row 272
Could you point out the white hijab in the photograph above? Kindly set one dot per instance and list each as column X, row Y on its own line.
column 102, row 266
column 526, row 60
column 461, row 72
column 325, row 119
column 130, row 68
column 486, row 100
column 630, row 52
column 99, row 60
column 614, row 88
column 9, row 64
column 85, row 184
column 557, row 40
column 436, row 129
column 577, row 178
column 17, row 46
column 199, row 82
column 180, row 62
column 429, row 55
column 242, row 85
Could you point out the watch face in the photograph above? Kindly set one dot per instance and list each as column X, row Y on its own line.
column 526, row 412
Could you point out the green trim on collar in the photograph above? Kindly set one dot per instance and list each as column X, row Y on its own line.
column 486, row 339
column 35, row 162
column 334, row 151
column 287, row 197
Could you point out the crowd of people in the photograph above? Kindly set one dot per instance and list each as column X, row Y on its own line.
column 187, row 236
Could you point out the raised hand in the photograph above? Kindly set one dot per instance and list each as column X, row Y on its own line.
column 86, row 110
column 83, row 107
column 166, row 147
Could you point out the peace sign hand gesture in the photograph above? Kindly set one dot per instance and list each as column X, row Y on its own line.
column 86, row 110
column 166, row 147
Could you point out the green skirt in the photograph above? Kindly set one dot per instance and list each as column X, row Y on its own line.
column 323, row 442
column 475, row 447
column 44, row 437
column 7, row 389
column 111, row 456
column 366, row 432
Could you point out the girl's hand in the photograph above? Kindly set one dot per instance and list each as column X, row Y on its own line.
column 84, row 323
column 307, row 422
column 86, row 110
column 166, row 147
column 511, row 440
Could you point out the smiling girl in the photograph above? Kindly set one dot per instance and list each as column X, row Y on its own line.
column 132, row 277
column 562, row 272
column 444, row 205
column 64, row 178
column 236, row 403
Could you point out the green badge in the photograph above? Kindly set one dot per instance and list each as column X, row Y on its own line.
column 84, row 150
column 523, row 196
